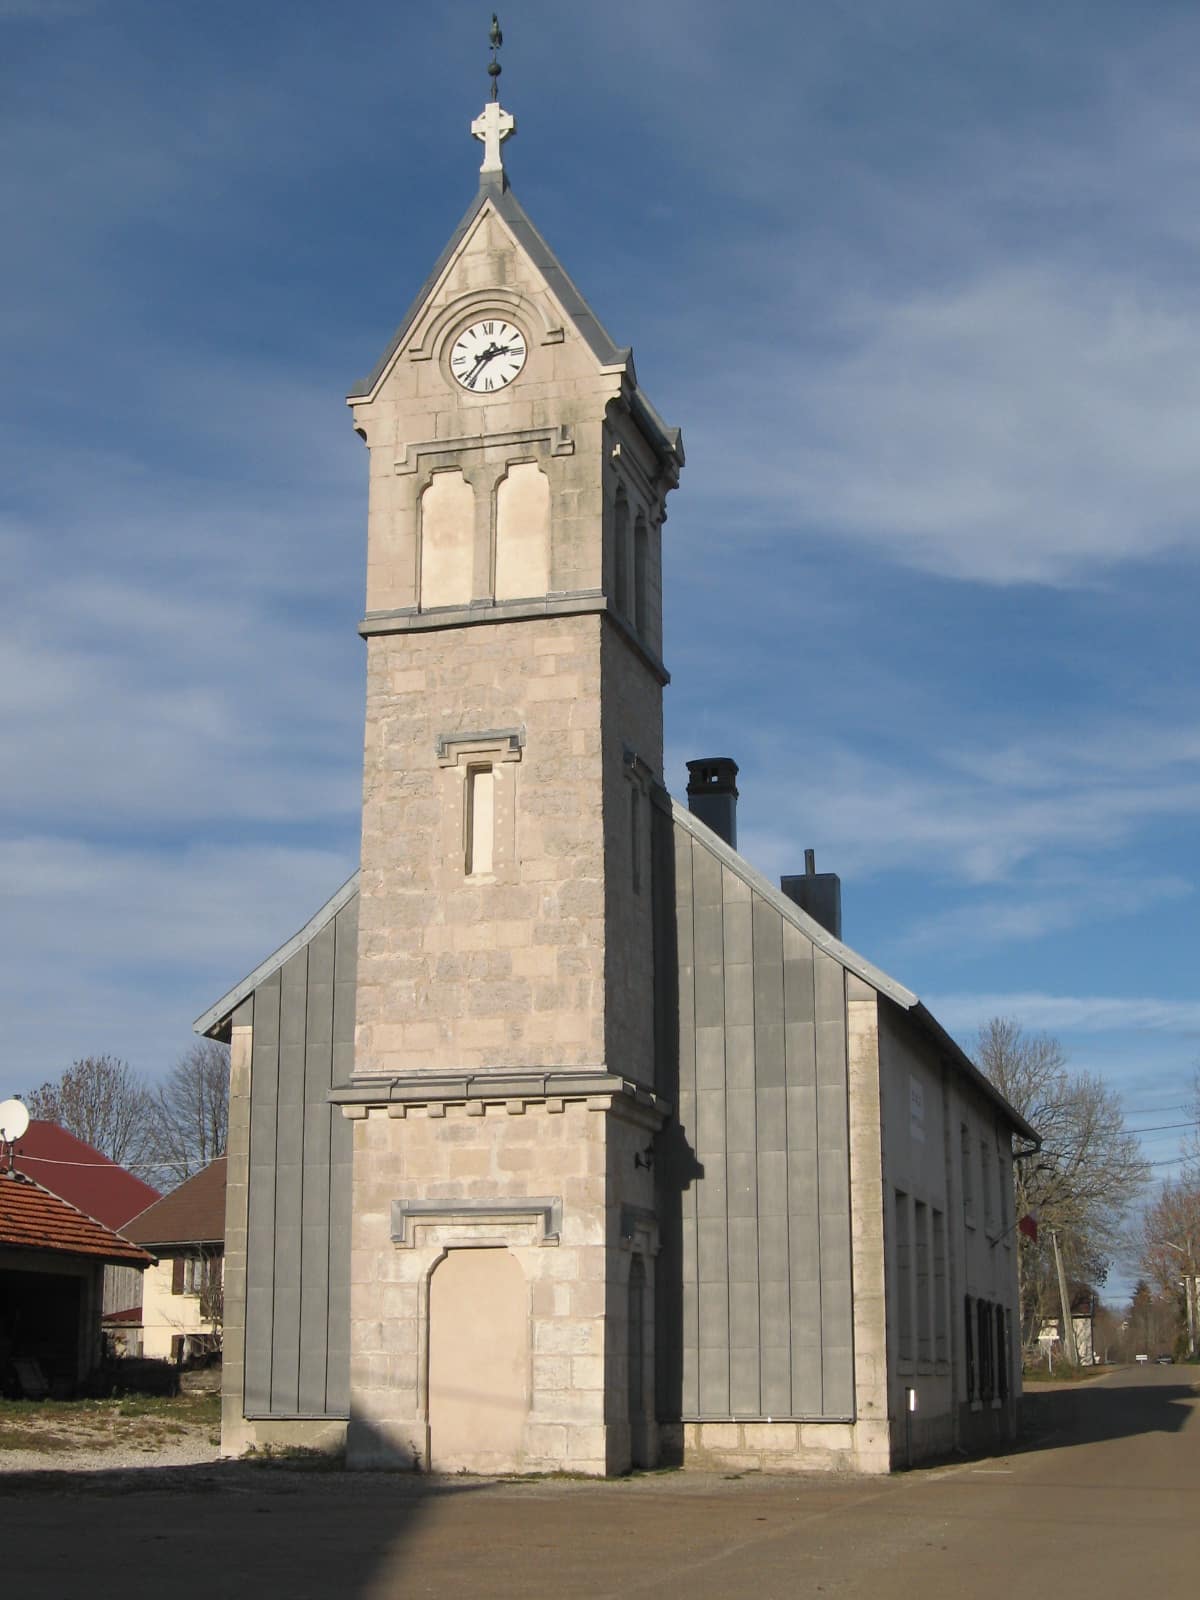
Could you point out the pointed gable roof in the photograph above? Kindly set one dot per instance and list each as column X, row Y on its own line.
column 667, row 441
column 81, row 1174
column 194, row 1213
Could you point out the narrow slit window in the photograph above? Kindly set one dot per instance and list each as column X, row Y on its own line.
column 941, row 1332
column 985, row 1167
column 969, row 1346
column 904, row 1278
column 968, row 1193
column 480, row 820
column 635, row 836
column 924, row 1319
column 1004, row 1197
column 621, row 554
column 985, row 1352
column 641, row 566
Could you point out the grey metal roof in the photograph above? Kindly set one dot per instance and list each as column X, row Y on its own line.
column 879, row 980
column 669, row 441
column 228, row 1003
column 808, row 926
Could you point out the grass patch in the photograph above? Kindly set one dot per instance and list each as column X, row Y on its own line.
column 1062, row 1374
column 178, row 1408
column 142, row 1420
column 34, row 1439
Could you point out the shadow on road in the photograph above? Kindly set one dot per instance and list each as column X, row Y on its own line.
column 1088, row 1413
column 255, row 1522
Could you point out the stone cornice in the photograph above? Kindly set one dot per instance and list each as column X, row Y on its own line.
column 573, row 603
column 510, row 1091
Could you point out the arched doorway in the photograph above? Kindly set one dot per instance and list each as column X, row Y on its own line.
column 478, row 1361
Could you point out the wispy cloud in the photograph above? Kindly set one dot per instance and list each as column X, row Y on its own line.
column 1092, row 1014
column 880, row 812
column 1036, row 910
column 1027, row 426
column 90, row 926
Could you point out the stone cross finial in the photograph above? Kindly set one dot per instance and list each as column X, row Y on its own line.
column 493, row 125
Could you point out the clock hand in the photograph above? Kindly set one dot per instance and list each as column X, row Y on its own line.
column 487, row 355
column 480, row 362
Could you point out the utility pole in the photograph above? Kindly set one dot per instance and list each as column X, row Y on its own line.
column 1070, row 1349
column 1191, row 1290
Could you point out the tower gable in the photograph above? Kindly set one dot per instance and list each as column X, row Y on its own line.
column 538, row 479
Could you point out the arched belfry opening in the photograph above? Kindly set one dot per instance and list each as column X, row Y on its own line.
column 522, row 566
column 621, row 553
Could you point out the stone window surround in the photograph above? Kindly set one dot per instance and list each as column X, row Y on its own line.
column 438, row 457
column 437, row 1227
column 457, row 754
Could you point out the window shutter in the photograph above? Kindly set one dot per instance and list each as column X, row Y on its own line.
column 177, row 1275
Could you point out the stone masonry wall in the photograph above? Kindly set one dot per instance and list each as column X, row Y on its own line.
column 457, row 972
column 481, row 1157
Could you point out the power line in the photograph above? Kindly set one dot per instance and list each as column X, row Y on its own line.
column 100, row 1166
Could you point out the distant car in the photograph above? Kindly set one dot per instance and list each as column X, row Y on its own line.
column 1165, row 1361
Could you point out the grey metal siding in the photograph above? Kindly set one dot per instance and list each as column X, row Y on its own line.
column 758, row 1195
column 298, row 1235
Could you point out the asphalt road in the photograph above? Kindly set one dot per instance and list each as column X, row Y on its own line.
column 1102, row 1500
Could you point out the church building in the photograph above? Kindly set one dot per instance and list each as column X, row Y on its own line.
column 559, row 1137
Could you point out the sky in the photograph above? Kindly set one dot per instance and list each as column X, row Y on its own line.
column 918, row 284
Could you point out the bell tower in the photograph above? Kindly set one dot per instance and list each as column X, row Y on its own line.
column 503, row 1090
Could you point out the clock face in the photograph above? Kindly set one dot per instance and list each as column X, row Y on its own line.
column 488, row 355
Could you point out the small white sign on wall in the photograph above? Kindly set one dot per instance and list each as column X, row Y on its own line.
column 916, row 1108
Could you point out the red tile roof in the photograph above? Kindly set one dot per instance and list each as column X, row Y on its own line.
column 31, row 1218
column 192, row 1214
column 130, row 1314
column 69, row 1167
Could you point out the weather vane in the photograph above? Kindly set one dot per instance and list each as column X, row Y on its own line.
column 497, row 39
column 494, row 125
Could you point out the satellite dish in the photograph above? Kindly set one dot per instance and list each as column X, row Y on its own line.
column 14, row 1119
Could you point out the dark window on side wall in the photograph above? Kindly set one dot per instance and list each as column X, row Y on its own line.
column 969, row 1345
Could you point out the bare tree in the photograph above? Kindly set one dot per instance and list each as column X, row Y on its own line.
column 190, row 1116
column 1153, row 1323
column 102, row 1100
column 1088, row 1173
column 1169, row 1250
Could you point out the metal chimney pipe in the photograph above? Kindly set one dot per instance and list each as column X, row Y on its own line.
column 712, row 794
